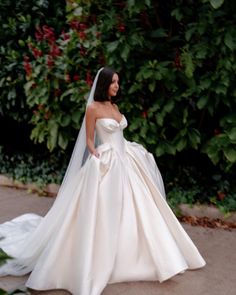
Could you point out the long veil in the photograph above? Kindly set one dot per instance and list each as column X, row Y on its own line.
column 27, row 236
column 80, row 152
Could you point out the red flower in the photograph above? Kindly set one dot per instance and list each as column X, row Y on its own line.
column 65, row 36
column 54, row 50
column 36, row 52
column 120, row 24
column 121, row 27
column 82, row 35
column 83, row 26
column 26, row 58
column 74, row 24
column 48, row 34
column 27, row 67
column 50, row 61
column 76, row 77
column 38, row 34
column 144, row 114
column 45, row 33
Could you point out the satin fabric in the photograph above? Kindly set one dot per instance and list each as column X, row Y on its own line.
column 116, row 225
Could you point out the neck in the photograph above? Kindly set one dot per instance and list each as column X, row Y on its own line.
column 107, row 101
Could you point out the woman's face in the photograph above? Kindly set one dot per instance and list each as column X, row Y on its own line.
column 114, row 86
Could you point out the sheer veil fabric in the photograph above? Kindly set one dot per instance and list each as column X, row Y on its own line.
column 109, row 223
column 80, row 152
column 19, row 230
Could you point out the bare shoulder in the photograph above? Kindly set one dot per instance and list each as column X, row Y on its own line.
column 91, row 110
column 91, row 107
column 116, row 106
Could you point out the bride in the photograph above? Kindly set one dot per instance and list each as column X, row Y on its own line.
column 110, row 221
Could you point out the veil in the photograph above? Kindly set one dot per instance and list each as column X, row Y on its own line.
column 80, row 152
column 27, row 236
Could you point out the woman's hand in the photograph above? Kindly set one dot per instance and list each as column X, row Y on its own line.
column 96, row 154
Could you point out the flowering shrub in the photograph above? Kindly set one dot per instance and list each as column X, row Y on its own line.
column 177, row 67
column 17, row 21
column 177, row 74
column 58, row 80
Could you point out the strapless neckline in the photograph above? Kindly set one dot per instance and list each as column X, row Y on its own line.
column 112, row 119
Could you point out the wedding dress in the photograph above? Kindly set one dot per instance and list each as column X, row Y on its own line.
column 116, row 225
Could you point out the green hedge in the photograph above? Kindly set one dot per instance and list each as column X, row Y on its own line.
column 18, row 20
column 177, row 67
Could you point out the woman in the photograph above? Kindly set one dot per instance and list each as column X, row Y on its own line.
column 110, row 221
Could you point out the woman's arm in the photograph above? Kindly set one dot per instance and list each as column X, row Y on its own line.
column 90, row 126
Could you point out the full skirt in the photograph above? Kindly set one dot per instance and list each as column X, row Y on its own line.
column 115, row 226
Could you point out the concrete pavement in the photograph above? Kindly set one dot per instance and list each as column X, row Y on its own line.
column 216, row 245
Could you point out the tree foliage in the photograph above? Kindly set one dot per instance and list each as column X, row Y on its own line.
column 18, row 20
column 177, row 68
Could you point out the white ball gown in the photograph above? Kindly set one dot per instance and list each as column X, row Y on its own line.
column 116, row 225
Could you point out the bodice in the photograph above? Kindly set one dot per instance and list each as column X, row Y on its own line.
column 110, row 131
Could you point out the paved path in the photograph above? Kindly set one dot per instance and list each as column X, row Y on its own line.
column 217, row 246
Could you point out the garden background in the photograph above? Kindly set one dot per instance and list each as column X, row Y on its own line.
column 177, row 65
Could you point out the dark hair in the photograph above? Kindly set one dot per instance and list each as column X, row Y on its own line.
column 103, row 83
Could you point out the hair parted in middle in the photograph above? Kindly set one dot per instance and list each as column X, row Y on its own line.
column 103, row 83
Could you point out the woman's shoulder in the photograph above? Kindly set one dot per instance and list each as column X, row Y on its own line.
column 93, row 106
column 97, row 107
column 116, row 106
column 91, row 109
